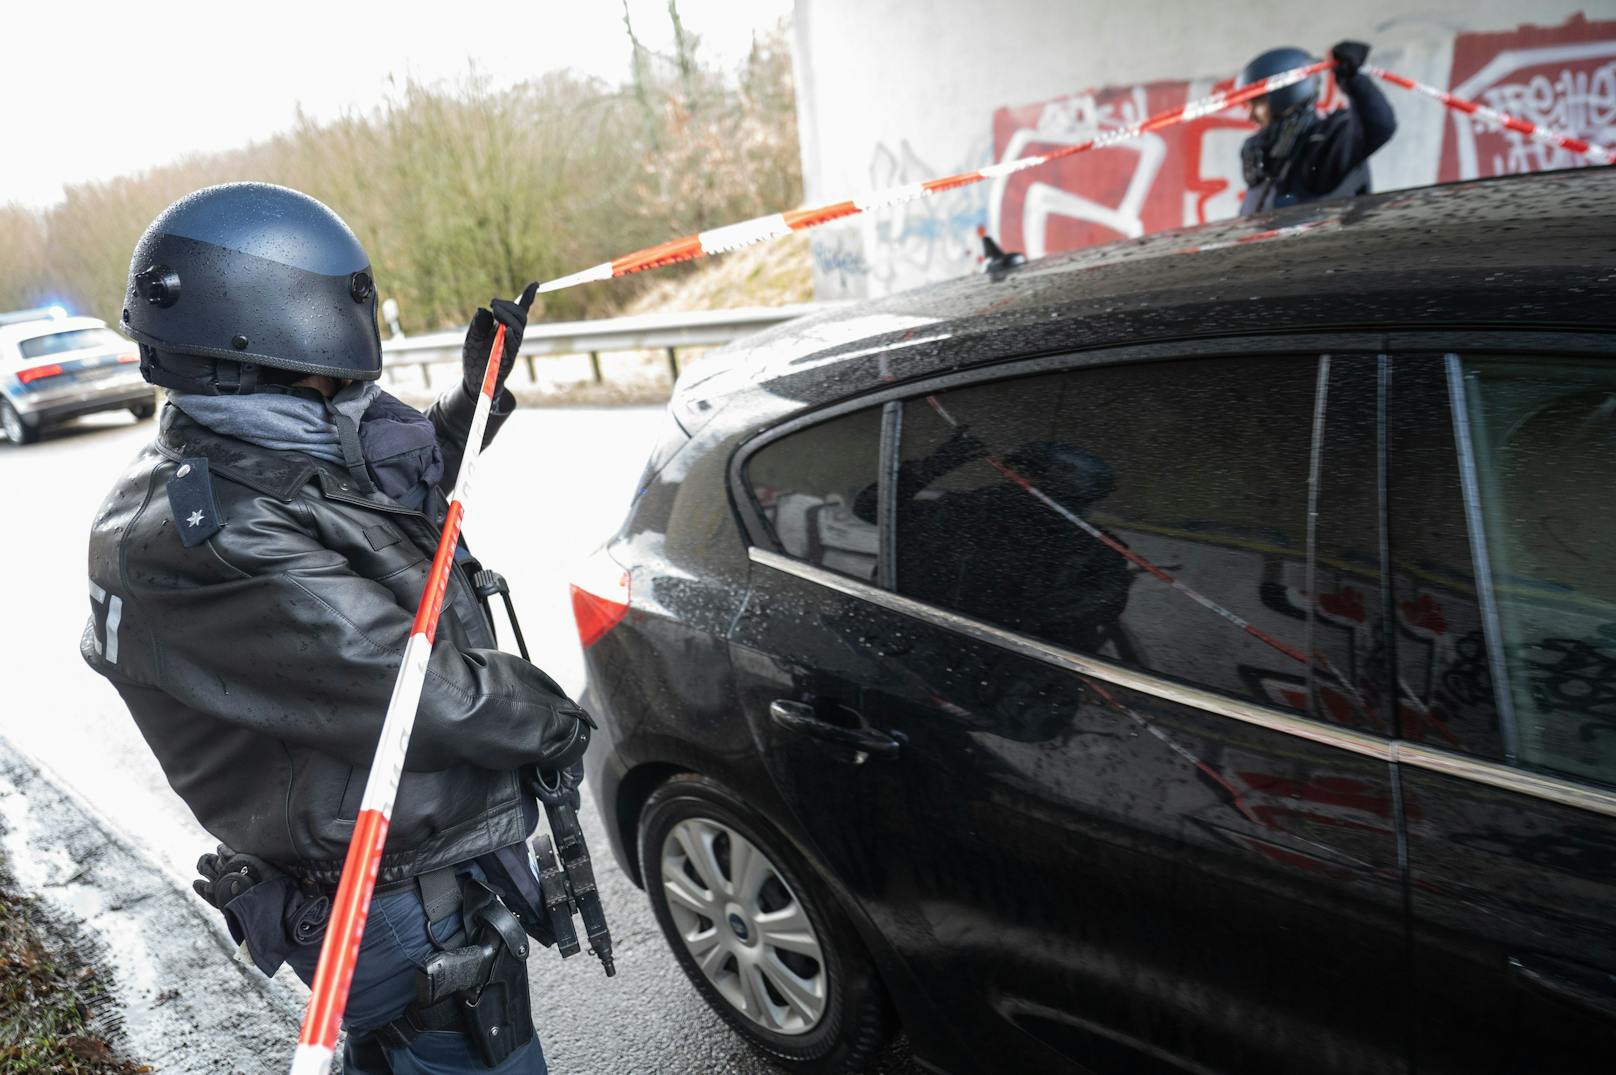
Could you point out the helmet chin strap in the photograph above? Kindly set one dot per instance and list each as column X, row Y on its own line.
column 353, row 456
column 235, row 378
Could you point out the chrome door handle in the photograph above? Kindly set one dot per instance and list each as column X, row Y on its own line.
column 800, row 717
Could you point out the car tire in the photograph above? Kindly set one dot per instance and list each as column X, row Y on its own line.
column 143, row 411
column 17, row 431
column 692, row 817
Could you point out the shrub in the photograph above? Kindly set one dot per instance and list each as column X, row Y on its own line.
column 466, row 190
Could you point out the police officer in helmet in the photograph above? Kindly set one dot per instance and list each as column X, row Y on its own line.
column 254, row 575
column 1298, row 156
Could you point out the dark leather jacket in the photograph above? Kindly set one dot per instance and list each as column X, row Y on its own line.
column 1332, row 160
column 258, row 663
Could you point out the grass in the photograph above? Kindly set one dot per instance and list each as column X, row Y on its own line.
column 48, row 998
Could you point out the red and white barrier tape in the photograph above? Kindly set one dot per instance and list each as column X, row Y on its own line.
column 777, row 225
column 1589, row 151
column 328, row 996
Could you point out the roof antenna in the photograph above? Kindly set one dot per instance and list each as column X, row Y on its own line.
column 995, row 262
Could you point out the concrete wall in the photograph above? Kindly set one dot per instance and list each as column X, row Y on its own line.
column 894, row 91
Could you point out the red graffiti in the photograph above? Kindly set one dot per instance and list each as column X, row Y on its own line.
column 1423, row 616
column 1344, row 607
column 1562, row 77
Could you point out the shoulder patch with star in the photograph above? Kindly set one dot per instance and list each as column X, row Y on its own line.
column 190, row 498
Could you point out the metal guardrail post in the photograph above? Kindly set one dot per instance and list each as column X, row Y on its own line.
column 532, row 370
column 426, row 374
column 673, row 365
column 594, row 366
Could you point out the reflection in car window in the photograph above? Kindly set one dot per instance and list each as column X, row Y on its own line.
column 808, row 485
column 1444, row 685
column 1543, row 436
column 1151, row 514
column 74, row 340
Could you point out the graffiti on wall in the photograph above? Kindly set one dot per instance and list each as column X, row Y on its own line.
column 1185, row 174
column 1562, row 76
column 928, row 237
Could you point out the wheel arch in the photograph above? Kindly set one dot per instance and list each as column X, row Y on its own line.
column 636, row 787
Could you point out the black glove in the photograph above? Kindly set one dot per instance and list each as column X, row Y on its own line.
column 1254, row 161
column 480, row 337
column 1348, row 57
column 555, row 786
column 230, row 873
column 574, row 751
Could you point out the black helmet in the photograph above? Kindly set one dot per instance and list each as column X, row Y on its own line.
column 1283, row 102
column 1071, row 476
column 247, row 276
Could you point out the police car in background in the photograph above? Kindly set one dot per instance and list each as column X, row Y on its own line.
column 56, row 368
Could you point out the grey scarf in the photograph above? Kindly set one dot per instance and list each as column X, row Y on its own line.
column 280, row 421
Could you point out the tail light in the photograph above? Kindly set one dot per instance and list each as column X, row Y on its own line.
column 38, row 373
column 599, row 597
column 126, row 359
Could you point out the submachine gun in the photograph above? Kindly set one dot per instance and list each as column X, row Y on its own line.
column 547, row 883
column 566, row 878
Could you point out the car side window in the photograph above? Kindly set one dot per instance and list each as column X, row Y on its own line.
column 1150, row 514
column 816, row 488
column 1542, row 443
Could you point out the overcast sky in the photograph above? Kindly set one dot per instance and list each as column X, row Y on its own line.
column 91, row 90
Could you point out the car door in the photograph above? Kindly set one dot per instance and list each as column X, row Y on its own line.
column 1504, row 546
column 804, row 648
column 1124, row 823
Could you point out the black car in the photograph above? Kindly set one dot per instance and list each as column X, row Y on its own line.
column 1196, row 654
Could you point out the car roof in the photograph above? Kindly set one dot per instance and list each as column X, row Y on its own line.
column 27, row 330
column 1532, row 251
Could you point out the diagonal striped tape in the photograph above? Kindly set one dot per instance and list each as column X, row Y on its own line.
column 776, row 225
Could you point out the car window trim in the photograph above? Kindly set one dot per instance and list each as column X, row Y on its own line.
column 886, row 495
column 1492, row 631
column 1315, row 467
column 1393, row 751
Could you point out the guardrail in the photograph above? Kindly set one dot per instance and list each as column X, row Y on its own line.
column 639, row 332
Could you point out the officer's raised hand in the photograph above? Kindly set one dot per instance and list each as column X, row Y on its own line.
column 1349, row 56
column 480, row 337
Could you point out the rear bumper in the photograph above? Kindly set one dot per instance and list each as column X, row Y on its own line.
column 59, row 405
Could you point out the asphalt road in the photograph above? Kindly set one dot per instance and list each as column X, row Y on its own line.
column 553, row 486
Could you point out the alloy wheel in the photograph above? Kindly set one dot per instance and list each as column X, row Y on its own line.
column 12, row 422
column 743, row 926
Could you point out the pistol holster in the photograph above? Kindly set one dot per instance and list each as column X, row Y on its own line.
column 477, row 985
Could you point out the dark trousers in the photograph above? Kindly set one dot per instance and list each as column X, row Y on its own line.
column 395, row 945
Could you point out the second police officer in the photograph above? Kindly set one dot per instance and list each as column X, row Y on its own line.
column 1298, row 156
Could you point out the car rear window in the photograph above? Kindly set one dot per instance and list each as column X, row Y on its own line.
column 72, row 340
column 1154, row 514
column 817, row 491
